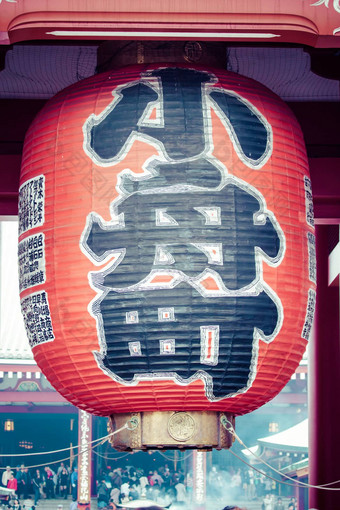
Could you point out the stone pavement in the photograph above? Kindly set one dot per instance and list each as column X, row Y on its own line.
column 244, row 504
column 52, row 504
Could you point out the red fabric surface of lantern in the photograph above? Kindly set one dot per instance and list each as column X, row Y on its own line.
column 69, row 179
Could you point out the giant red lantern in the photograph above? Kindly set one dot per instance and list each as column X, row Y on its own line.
column 166, row 241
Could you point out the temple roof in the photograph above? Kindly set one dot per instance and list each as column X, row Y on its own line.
column 295, row 438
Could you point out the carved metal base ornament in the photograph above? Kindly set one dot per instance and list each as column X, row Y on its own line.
column 169, row 430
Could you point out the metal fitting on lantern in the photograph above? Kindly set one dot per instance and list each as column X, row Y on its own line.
column 112, row 54
column 169, row 430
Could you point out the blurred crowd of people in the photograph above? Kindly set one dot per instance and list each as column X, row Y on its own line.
column 167, row 485
column 163, row 485
column 41, row 483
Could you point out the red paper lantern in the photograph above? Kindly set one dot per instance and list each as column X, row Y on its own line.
column 166, row 245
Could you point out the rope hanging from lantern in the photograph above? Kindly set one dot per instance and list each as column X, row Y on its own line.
column 229, row 427
column 189, row 454
column 109, row 457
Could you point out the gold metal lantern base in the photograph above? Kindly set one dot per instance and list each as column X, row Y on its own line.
column 169, row 430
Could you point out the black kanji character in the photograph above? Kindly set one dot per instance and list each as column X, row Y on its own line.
column 182, row 231
column 183, row 131
column 237, row 319
column 199, row 172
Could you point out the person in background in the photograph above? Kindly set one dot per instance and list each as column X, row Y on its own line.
column 12, row 483
column 20, row 479
column 6, row 476
column 293, row 502
column 16, row 505
column 267, row 485
column 166, row 475
column 114, row 495
column 112, row 505
column 268, row 502
column 59, row 470
column 181, row 493
column 38, row 484
column 27, row 483
column 189, row 483
column 236, row 482
column 116, row 479
column 63, row 483
column 125, row 491
column 143, row 482
column 61, row 467
column 49, row 474
column 279, row 504
column 103, row 494
column 74, row 483
column 156, row 478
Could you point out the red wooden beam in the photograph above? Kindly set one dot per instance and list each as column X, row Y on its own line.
column 7, row 367
column 31, row 396
column 37, row 409
column 282, row 21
